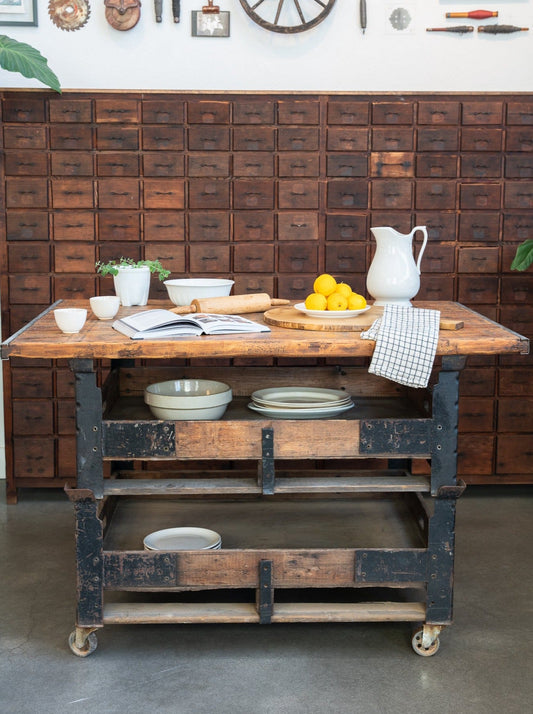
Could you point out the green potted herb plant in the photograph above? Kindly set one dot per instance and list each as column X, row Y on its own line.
column 132, row 278
column 19, row 57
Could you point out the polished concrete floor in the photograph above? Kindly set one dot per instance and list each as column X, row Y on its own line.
column 484, row 665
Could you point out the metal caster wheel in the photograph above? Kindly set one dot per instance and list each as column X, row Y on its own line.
column 82, row 645
column 421, row 649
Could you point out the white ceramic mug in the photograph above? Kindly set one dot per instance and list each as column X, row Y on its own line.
column 70, row 320
column 105, row 307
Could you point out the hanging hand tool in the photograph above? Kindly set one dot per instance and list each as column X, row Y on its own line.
column 176, row 10
column 362, row 14
column 462, row 29
column 501, row 29
column 158, row 9
column 474, row 14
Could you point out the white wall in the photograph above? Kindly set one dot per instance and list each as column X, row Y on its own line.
column 334, row 56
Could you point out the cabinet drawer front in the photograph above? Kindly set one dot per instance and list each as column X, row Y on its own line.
column 114, row 193
column 476, row 414
column 108, row 250
column 209, row 258
column 298, row 165
column 118, row 164
column 391, row 164
column 436, row 166
column 121, row 111
column 298, row 226
column 209, row 225
column 520, row 113
column 478, row 260
column 205, row 193
column 25, row 163
column 254, row 258
column 519, row 166
column 517, row 289
column 438, row 112
column 118, row 225
column 209, row 138
column 166, row 111
column 73, row 111
column 518, row 227
column 162, row 138
column 515, row 414
column 298, row 258
column 245, row 284
column 348, row 113
column 76, row 287
column 436, row 288
column 475, row 454
column 26, row 193
column 74, row 226
column 66, row 417
column 172, row 257
column 253, row 112
column 482, row 112
column 160, row 193
column 481, row 139
column 347, row 194
column 35, row 417
column 440, row 226
column 253, row 226
column 478, row 290
column 255, row 194
column 298, row 139
column 29, row 289
column 24, row 137
column 352, row 139
column 441, row 139
column 392, row 139
column 392, row 113
column 346, row 165
column 208, row 112
column 72, row 164
column 28, row 258
column 31, row 383
column 72, row 193
column 209, row 165
column 22, row 225
column 519, row 139
column 69, row 137
column 20, row 109
column 117, row 138
column 298, row 112
column 392, row 194
column 346, row 227
column 519, row 195
column 167, row 164
column 296, row 287
column 435, row 195
column 515, row 454
column 346, row 258
column 163, row 225
column 400, row 221
column 480, row 195
column 77, row 258
column 261, row 138
column 484, row 166
column 34, row 457
column 298, row 194
column 479, row 226
column 253, row 164
column 439, row 259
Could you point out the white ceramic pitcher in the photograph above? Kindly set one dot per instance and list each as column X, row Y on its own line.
column 394, row 277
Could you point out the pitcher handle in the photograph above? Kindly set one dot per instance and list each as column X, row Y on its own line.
column 423, row 248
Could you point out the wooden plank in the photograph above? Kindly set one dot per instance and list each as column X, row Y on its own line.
column 349, row 612
column 182, row 487
column 353, row 484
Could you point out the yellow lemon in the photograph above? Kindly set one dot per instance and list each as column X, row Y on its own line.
column 325, row 284
column 315, row 301
column 344, row 289
column 336, row 301
column 356, row 302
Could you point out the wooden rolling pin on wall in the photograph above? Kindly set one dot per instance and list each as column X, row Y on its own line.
column 232, row 305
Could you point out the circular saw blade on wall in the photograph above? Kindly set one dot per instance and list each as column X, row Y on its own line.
column 69, row 14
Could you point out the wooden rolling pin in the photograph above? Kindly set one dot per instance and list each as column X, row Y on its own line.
column 231, row 305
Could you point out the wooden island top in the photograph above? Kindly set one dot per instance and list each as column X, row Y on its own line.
column 41, row 338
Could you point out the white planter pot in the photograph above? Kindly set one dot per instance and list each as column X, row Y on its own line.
column 132, row 285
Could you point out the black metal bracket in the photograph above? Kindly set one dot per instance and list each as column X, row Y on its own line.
column 89, row 559
column 265, row 593
column 267, row 474
column 454, row 492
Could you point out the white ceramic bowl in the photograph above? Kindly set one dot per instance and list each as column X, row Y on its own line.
column 182, row 291
column 188, row 399
column 105, row 307
column 70, row 320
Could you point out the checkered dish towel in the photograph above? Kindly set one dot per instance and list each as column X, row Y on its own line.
column 406, row 343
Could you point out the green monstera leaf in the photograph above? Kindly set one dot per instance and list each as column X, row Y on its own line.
column 20, row 57
column 524, row 256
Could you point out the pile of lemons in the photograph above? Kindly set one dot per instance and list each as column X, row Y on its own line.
column 330, row 295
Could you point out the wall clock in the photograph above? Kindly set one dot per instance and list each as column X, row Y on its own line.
column 287, row 15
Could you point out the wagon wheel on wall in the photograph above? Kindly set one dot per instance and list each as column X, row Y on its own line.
column 287, row 15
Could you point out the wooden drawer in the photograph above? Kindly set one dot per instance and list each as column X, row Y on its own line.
column 205, row 193
column 298, row 112
column 515, row 414
column 34, row 457
column 298, row 226
column 520, row 316
column 253, row 258
column 25, row 163
column 476, row 414
column 519, row 166
column 392, row 113
column 517, row 289
column 300, row 194
column 392, row 139
column 478, row 260
column 519, row 139
column 299, row 165
column 436, row 166
column 209, row 165
column 118, row 193
column 440, row 226
column 253, row 284
column 35, row 417
column 209, row 138
column 164, row 193
column 162, row 226
column 75, row 258
column 118, row 226
column 440, row 139
column 475, row 454
column 253, row 112
column 162, row 138
column 71, row 137
column 22, row 109
column 349, row 139
column 68, row 163
column 520, row 113
column 347, row 165
column 514, row 454
column 298, row 257
column 299, row 138
column 348, row 112
column 438, row 259
column 516, row 382
column 169, row 163
column 28, row 257
column 172, row 257
column 120, row 111
column 29, row 289
column 478, row 290
column 253, row 163
column 435, row 195
column 254, row 138
column 345, row 258
column 65, row 384
column 110, row 249
column 479, row 227
column 253, row 194
column 347, row 194
column 26, row 192
column 480, row 195
column 253, row 226
column 19, row 315
column 209, row 258
column 25, row 137
column 519, row 194
column 401, row 221
column 162, row 111
column 31, row 383
column 438, row 112
column 117, row 138
column 481, row 166
column 517, row 226
column 391, row 164
column 208, row 112
column 73, row 193
column 70, row 111
column 209, row 225
column 481, row 139
column 346, row 227
column 296, row 287
column 66, row 458
column 117, row 164
column 66, row 417
column 24, row 225
column 435, row 287
column 482, row 112
column 78, row 287
column 392, row 194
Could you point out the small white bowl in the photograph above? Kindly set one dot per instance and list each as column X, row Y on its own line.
column 188, row 399
column 70, row 320
column 182, row 291
column 105, row 307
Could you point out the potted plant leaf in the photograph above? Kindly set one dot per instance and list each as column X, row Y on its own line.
column 19, row 57
column 524, row 256
column 132, row 278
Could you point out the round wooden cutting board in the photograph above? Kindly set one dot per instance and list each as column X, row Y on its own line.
column 296, row 320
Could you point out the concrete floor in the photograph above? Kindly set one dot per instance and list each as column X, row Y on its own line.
column 484, row 665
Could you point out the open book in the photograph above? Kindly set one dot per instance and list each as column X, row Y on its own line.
column 155, row 324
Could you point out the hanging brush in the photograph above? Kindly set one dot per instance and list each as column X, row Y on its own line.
column 462, row 29
column 501, row 29
column 474, row 14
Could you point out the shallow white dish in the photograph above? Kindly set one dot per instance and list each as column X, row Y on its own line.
column 185, row 538
column 182, row 291
column 313, row 413
column 330, row 314
column 296, row 397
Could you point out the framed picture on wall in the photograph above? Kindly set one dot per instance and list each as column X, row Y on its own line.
column 18, row 12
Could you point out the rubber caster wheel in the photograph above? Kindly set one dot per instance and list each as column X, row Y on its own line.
column 419, row 647
column 89, row 645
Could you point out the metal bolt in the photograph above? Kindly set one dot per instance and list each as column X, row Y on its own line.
column 439, row 447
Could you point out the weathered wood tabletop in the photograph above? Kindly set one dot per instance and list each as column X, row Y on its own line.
column 41, row 338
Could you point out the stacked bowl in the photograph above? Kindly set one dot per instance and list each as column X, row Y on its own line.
column 188, row 399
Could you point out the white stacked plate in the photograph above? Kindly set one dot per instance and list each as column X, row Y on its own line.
column 186, row 538
column 300, row 402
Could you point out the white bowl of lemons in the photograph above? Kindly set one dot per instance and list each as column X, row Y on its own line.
column 331, row 299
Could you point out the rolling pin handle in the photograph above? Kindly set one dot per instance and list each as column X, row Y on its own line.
column 183, row 309
column 279, row 301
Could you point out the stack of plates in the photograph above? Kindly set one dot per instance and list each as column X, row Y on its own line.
column 300, row 402
column 183, row 539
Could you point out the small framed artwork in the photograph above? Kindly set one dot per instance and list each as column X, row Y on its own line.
column 18, row 12
column 209, row 24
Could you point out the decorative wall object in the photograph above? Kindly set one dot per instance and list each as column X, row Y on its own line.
column 69, row 14
column 287, row 17
column 122, row 14
column 19, row 12
column 210, row 22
